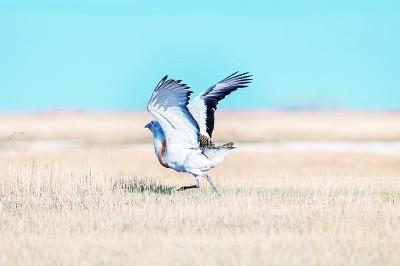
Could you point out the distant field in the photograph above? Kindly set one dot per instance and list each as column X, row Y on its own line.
column 112, row 203
column 128, row 127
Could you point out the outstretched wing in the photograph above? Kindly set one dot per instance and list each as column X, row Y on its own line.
column 204, row 105
column 168, row 104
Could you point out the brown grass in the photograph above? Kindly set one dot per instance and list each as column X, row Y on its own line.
column 114, row 204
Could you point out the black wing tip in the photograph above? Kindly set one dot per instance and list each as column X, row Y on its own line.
column 244, row 75
column 165, row 82
column 164, row 79
column 243, row 78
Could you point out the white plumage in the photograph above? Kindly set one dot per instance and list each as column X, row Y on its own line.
column 182, row 130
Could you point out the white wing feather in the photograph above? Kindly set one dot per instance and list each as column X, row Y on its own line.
column 168, row 104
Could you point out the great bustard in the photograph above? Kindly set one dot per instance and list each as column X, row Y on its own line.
column 182, row 130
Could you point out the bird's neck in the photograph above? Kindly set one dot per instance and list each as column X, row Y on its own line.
column 160, row 146
column 158, row 141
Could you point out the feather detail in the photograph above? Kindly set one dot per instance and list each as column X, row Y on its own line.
column 204, row 105
column 164, row 147
column 205, row 142
column 228, row 145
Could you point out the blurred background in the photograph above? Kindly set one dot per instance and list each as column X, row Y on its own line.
column 108, row 55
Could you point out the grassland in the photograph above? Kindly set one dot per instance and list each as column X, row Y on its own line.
column 110, row 202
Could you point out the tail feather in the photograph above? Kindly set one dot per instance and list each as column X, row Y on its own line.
column 228, row 145
column 217, row 154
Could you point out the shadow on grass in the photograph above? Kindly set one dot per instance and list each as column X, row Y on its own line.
column 143, row 186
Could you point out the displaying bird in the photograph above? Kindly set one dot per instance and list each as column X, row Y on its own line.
column 182, row 130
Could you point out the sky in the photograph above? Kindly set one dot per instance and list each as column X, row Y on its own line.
column 110, row 54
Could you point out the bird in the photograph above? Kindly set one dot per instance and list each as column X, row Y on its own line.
column 183, row 128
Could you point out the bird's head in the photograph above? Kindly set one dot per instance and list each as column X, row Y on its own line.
column 153, row 126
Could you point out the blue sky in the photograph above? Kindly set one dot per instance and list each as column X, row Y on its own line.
column 109, row 55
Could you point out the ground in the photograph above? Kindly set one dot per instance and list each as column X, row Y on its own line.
column 84, row 188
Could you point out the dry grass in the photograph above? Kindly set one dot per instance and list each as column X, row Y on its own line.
column 118, row 206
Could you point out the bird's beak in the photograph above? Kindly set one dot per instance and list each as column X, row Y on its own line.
column 147, row 126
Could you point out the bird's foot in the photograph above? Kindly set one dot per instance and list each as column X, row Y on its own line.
column 187, row 187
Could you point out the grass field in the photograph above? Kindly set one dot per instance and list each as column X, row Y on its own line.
column 108, row 201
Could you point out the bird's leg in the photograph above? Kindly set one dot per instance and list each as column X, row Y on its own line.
column 211, row 182
column 197, row 185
